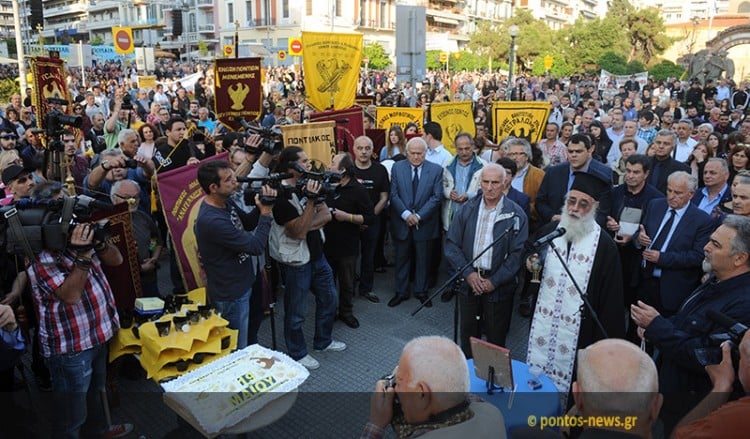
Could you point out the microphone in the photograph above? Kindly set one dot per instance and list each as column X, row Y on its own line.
column 546, row 239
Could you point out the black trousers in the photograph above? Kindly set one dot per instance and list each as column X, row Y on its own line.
column 479, row 315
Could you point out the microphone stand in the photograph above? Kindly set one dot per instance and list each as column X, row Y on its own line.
column 584, row 296
column 457, row 279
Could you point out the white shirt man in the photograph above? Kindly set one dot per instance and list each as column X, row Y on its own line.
column 685, row 143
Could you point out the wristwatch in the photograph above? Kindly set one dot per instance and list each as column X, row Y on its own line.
column 104, row 162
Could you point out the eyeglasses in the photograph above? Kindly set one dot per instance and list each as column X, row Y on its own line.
column 8, row 136
column 131, row 200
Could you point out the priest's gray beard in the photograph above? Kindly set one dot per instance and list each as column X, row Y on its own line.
column 578, row 227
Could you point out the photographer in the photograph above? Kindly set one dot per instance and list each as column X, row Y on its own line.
column 682, row 337
column 120, row 118
column 77, row 317
column 296, row 242
column 114, row 166
column 431, row 383
column 351, row 208
column 226, row 247
column 714, row 417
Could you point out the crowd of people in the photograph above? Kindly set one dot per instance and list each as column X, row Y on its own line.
column 638, row 198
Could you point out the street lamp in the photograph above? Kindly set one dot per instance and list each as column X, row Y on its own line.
column 513, row 31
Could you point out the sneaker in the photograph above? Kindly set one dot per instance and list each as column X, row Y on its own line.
column 117, row 430
column 309, row 362
column 335, row 346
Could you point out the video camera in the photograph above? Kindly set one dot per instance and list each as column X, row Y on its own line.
column 46, row 224
column 55, row 121
column 273, row 181
column 272, row 142
column 127, row 102
column 328, row 182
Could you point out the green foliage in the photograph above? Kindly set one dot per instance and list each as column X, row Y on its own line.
column 7, row 88
column 559, row 66
column 666, row 69
column 646, row 34
column 467, row 61
column 202, row 47
column 12, row 50
column 375, row 52
column 613, row 63
column 635, row 66
column 96, row 41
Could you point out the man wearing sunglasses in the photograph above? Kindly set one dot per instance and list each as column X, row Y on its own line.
column 8, row 141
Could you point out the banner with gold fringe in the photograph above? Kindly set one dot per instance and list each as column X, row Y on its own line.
column 125, row 279
column 390, row 116
column 237, row 91
column 181, row 197
column 331, row 62
column 48, row 75
column 454, row 118
column 520, row 119
column 316, row 138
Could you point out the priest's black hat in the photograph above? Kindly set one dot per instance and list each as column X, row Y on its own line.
column 589, row 184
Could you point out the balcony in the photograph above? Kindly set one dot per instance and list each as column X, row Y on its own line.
column 205, row 3
column 261, row 22
column 206, row 28
column 103, row 24
column 103, row 6
column 59, row 11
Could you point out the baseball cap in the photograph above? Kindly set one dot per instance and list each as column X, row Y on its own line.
column 12, row 172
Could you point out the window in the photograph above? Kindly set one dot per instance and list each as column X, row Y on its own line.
column 285, row 8
column 230, row 13
column 308, row 7
column 338, row 8
column 249, row 11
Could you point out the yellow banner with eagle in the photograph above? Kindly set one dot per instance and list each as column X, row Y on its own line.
column 331, row 62
column 454, row 118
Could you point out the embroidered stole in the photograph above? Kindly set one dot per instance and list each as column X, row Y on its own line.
column 557, row 318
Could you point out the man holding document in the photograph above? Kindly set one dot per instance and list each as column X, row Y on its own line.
column 628, row 203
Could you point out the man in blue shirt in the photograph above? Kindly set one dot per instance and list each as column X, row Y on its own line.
column 225, row 245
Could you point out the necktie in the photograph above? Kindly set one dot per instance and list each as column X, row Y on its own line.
column 414, row 186
column 661, row 238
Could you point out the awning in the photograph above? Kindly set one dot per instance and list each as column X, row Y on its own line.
column 446, row 21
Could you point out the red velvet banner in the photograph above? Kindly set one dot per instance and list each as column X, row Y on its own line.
column 349, row 126
column 237, row 91
column 49, row 83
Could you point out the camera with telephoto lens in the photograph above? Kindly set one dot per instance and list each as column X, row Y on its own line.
column 47, row 224
column 390, row 382
column 272, row 142
column 127, row 102
column 734, row 331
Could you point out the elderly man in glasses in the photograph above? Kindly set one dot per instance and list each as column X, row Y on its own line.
column 145, row 231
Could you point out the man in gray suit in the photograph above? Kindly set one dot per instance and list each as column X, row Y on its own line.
column 416, row 192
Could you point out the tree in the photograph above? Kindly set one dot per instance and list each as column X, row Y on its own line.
column 485, row 42
column 635, row 66
column 646, row 34
column 587, row 40
column 202, row 48
column 666, row 69
column 613, row 63
column 375, row 52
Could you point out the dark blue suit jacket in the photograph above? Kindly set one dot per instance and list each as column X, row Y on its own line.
column 554, row 187
column 426, row 204
column 523, row 200
column 680, row 263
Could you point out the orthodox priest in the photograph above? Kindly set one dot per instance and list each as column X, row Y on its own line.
column 562, row 323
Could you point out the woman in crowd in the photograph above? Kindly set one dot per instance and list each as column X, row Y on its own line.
column 153, row 115
column 411, row 129
column 716, row 144
column 147, row 132
column 698, row 159
column 627, row 147
column 738, row 160
column 12, row 119
column 601, row 140
column 565, row 132
column 395, row 143
column 703, row 131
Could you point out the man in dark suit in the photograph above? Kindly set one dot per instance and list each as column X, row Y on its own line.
column 662, row 163
column 672, row 235
column 416, row 192
column 558, row 179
